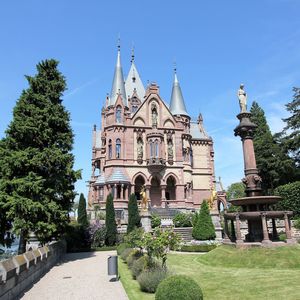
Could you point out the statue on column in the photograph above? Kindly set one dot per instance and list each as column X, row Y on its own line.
column 154, row 116
column 170, row 150
column 144, row 199
column 242, row 95
column 212, row 198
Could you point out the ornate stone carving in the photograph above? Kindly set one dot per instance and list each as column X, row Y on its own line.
column 242, row 95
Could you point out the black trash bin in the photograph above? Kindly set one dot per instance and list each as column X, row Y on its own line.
column 112, row 265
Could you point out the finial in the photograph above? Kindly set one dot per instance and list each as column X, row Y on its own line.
column 132, row 53
column 119, row 42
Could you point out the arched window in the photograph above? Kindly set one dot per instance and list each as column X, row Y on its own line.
column 118, row 148
column 156, row 149
column 151, row 149
column 109, row 149
column 119, row 114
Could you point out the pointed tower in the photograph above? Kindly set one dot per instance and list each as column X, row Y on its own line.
column 177, row 106
column 118, row 86
column 133, row 82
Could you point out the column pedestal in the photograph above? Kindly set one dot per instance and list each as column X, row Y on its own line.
column 146, row 220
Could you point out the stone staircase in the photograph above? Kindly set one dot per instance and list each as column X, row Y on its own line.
column 185, row 233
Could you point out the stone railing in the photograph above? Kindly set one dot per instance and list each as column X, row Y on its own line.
column 19, row 272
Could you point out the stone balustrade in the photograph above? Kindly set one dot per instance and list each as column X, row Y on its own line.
column 19, row 272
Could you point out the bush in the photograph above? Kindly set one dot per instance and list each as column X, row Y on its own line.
column 183, row 220
column 297, row 223
column 204, row 228
column 155, row 221
column 97, row 234
column 282, row 237
column 134, row 238
column 132, row 257
column 290, row 197
column 197, row 248
column 121, row 248
column 150, row 279
column 77, row 238
column 110, row 222
column 178, row 287
column 126, row 253
column 139, row 265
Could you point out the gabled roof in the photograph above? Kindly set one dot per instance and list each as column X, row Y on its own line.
column 134, row 83
column 177, row 105
column 118, row 86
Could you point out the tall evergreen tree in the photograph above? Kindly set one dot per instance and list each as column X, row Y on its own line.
column 275, row 167
column 291, row 132
column 82, row 215
column 110, row 222
column 36, row 164
column 134, row 219
column 204, row 228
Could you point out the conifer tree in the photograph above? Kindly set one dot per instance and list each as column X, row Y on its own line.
column 275, row 167
column 82, row 215
column 204, row 228
column 110, row 222
column 36, row 164
column 134, row 219
column 291, row 132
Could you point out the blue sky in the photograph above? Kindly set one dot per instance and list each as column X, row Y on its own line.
column 216, row 45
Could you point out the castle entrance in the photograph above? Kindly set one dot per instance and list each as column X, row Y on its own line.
column 138, row 183
column 155, row 192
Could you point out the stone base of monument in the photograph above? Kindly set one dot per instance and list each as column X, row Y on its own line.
column 146, row 220
column 215, row 216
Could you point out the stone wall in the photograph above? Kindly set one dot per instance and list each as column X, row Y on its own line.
column 21, row 271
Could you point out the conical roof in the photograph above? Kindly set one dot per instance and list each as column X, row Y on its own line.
column 118, row 175
column 177, row 106
column 118, row 86
column 134, row 82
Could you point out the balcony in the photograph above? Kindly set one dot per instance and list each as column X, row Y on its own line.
column 156, row 164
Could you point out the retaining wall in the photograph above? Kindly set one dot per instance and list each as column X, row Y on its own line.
column 21, row 271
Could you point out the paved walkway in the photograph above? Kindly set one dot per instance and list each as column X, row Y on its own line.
column 79, row 276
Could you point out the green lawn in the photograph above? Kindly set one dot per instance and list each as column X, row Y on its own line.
column 229, row 273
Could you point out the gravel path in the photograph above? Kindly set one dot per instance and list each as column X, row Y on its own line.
column 79, row 276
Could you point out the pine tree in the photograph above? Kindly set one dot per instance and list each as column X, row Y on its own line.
column 82, row 215
column 204, row 228
column 110, row 222
column 274, row 166
column 291, row 132
column 36, row 164
column 134, row 219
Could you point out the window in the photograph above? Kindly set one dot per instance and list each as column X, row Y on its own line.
column 109, row 150
column 156, row 149
column 119, row 114
column 151, row 149
column 118, row 148
column 134, row 109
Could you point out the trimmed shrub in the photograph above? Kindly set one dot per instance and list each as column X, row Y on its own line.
column 132, row 257
column 121, row 248
column 134, row 219
column 82, row 215
column 183, row 220
column 204, row 228
column 126, row 253
column 155, row 221
column 178, row 287
column 110, row 222
column 150, row 279
column 197, row 248
column 139, row 265
column 297, row 223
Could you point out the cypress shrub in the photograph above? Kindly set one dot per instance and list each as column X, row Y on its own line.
column 82, row 215
column 110, row 222
column 204, row 228
column 178, row 287
column 134, row 219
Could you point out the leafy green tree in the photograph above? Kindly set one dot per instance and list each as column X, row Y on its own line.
column 82, row 215
column 204, row 228
column 291, row 132
column 235, row 190
column 134, row 219
column 110, row 222
column 274, row 165
column 36, row 164
column 290, row 194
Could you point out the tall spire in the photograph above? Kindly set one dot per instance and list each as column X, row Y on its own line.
column 177, row 106
column 118, row 86
column 133, row 81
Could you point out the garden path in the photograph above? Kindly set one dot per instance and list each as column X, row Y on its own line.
column 78, row 276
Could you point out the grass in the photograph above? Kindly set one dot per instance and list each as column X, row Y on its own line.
column 230, row 273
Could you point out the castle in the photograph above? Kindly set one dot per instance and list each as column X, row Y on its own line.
column 145, row 143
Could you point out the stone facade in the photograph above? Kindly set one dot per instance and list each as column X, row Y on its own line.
column 144, row 142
